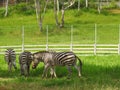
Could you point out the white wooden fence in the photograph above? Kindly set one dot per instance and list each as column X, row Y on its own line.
column 79, row 49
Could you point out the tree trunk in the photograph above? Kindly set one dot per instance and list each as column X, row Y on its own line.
column 6, row 8
column 62, row 18
column 99, row 6
column 39, row 13
column 78, row 5
column 55, row 12
column 27, row 1
column 58, row 7
column 65, row 5
column 86, row 1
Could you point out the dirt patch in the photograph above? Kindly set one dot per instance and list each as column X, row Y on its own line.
column 115, row 11
column 3, row 88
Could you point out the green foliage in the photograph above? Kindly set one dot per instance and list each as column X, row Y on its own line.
column 21, row 8
column 2, row 12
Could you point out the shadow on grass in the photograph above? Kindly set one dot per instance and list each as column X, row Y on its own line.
column 92, row 75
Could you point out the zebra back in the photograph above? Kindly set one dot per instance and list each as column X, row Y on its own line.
column 10, row 55
column 25, row 58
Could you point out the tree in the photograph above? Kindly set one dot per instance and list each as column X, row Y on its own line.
column 99, row 6
column 65, row 5
column 78, row 5
column 40, row 11
column 6, row 8
column 86, row 2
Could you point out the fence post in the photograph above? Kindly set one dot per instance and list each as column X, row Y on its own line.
column 23, row 48
column 47, row 38
column 119, row 42
column 71, row 45
column 78, row 5
column 95, row 39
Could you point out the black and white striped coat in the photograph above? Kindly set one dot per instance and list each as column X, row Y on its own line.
column 52, row 59
column 25, row 60
column 10, row 58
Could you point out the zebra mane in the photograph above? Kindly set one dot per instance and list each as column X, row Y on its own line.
column 10, row 49
column 27, row 52
column 44, row 52
column 41, row 52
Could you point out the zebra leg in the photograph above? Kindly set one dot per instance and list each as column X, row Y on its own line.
column 55, row 73
column 28, row 69
column 45, row 70
column 25, row 69
column 69, row 71
column 14, row 64
column 9, row 66
column 52, row 72
column 21, row 70
column 78, row 69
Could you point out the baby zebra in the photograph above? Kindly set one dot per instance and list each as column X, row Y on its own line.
column 52, row 59
column 10, row 58
column 25, row 60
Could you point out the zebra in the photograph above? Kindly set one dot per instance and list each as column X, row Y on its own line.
column 10, row 58
column 25, row 60
column 52, row 59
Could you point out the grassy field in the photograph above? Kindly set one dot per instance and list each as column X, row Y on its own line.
column 83, row 28
column 98, row 73
column 82, row 34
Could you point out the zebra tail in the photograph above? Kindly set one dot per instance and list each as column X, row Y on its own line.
column 80, row 62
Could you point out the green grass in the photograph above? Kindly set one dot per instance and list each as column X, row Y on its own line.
column 99, row 73
column 83, row 28
column 82, row 34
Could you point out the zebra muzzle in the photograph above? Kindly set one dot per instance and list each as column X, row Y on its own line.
column 33, row 67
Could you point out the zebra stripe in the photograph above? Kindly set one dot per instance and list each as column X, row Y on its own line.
column 25, row 60
column 64, row 58
column 10, row 58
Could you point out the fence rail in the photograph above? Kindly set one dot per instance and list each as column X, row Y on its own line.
column 80, row 49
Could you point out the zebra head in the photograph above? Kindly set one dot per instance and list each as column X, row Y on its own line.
column 35, row 60
column 38, row 57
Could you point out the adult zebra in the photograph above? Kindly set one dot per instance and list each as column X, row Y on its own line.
column 25, row 60
column 10, row 58
column 52, row 59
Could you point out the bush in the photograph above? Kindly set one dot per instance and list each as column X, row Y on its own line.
column 2, row 12
column 21, row 8
column 24, row 9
